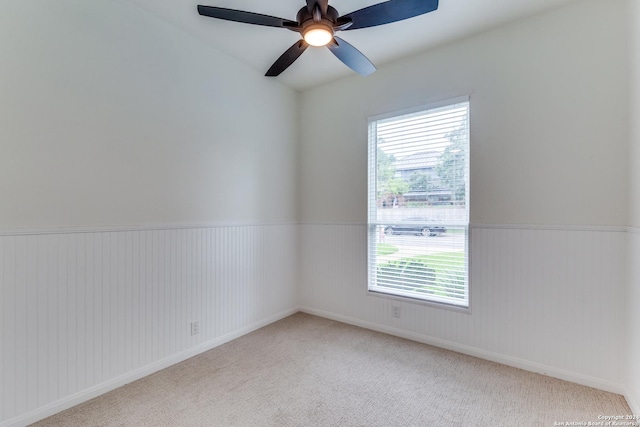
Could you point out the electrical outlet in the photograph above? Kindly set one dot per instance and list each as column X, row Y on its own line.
column 195, row 328
column 395, row 311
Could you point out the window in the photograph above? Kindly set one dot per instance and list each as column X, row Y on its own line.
column 419, row 204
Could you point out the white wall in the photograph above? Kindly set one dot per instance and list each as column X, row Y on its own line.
column 146, row 181
column 548, row 119
column 633, row 297
column 103, row 107
column 634, row 111
column 548, row 150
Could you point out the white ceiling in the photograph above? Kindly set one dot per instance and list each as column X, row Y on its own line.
column 259, row 46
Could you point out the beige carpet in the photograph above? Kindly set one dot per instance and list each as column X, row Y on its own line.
column 308, row 371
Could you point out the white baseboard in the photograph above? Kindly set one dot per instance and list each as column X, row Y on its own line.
column 480, row 353
column 633, row 404
column 95, row 391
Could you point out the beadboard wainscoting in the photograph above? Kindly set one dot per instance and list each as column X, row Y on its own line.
column 633, row 321
column 83, row 312
column 546, row 299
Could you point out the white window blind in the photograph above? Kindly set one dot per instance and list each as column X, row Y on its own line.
column 419, row 204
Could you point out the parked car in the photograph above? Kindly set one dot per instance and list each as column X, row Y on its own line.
column 420, row 226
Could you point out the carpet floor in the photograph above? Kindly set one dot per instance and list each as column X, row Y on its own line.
column 309, row 371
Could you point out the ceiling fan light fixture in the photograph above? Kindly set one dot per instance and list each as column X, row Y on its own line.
column 318, row 35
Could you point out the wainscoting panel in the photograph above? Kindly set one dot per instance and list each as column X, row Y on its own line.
column 80, row 309
column 550, row 300
column 633, row 321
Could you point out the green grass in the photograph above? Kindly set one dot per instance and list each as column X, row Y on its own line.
column 386, row 249
column 455, row 231
column 435, row 261
column 426, row 273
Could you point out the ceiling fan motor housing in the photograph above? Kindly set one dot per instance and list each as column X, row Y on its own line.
column 304, row 15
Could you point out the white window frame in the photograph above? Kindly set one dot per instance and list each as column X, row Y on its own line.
column 373, row 224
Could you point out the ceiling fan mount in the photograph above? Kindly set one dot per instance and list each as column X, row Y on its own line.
column 318, row 22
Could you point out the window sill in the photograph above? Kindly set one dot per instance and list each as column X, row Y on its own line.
column 418, row 301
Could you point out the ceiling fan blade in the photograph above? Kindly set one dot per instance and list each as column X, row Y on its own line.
column 324, row 5
column 388, row 12
column 245, row 17
column 287, row 58
column 351, row 57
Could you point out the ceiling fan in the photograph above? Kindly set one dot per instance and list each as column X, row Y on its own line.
column 318, row 22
